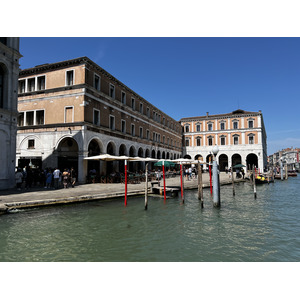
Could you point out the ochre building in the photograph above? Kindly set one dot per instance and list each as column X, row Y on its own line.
column 239, row 135
column 73, row 109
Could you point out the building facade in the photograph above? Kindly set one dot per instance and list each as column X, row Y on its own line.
column 289, row 158
column 9, row 72
column 240, row 137
column 74, row 109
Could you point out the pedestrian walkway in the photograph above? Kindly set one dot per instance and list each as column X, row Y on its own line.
column 38, row 196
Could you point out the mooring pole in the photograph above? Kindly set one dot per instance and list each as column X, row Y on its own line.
column 200, row 188
column 146, row 186
column 254, row 182
column 181, row 183
column 216, row 182
column 286, row 172
column 164, row 178
column 210, row 179
column 281, row 169
column 232, row 180
column 125, row 182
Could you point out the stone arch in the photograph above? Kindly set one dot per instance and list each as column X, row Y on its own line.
column 140, row 152
column 111, row 148
column 99, row 144
column 67, row 154
column 163, row 156
column 158, row 154
column 198, row 157
column 122, row 150
column 223, row 162
column 153, row 154
column 236, row 159
column 251, row 160
column 187, row 156
column 168, row 155
column 147, row 153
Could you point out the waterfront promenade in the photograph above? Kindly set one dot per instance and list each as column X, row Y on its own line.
column 39, row 196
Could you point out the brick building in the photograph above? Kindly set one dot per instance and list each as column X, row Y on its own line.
column 9, row 71
column 240, row 136
column 73, row 109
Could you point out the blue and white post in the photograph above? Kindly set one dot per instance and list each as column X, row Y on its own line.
column 216, row 178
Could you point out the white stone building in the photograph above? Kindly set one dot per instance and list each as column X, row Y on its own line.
column 9, row 72
column 240, row 137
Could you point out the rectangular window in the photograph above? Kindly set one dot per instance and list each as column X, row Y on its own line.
column 133, row 103
column 31, row 84
column 187, row 142
column 29, row 118
column 153, row 136
column 210, row 141
column 132, row 129
column 235, row 125
column 250, row 124
column 70, row 77
column 30, row 144
column 222, row 126
column 210, row 127
column 198, row 142
column 158, row 138
column 112, row 91
column 251, row 139
column 164, row 121
column 164, row 139
column 198, row 128
column 21, row 119
column 112, row 122
column 96, row 119
column 141, row 132
column 148, row 112
column 39, row 115
column 41, row 83
column 97, row 82
column 21, row 86
column 148, row 134
column 123, row 126
column 68, row 114
column 123, row 97
column 222, row 141
column 141, row 108
column 236, row 140
column 187, row 128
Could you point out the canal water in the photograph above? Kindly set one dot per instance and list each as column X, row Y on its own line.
column 243, row 229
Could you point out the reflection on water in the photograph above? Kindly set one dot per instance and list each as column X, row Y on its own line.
column 243, row 229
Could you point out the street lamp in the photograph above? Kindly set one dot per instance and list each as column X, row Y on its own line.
column 216, row 179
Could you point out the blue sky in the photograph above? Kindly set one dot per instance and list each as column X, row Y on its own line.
column 187, row 77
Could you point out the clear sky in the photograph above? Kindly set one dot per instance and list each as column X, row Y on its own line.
column 187, row 77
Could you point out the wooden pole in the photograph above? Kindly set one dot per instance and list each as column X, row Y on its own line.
column 254, row 183
column 232, row 180
column 181, row 183
column 125, row 182
column 200, row 188
column 210, row 179
column 146, row 186
column 164, row 178
column 286, row 172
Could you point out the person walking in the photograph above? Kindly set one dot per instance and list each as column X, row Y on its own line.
column 48, row 179
column 73, row 177
column 65, row 177
column 19, row 178
column 56, row 175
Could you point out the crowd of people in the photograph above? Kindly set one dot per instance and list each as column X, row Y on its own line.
column 49, row 178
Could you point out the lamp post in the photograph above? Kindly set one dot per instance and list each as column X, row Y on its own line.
column 216, row 179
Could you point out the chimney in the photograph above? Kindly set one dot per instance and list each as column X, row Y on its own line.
column 207, row 113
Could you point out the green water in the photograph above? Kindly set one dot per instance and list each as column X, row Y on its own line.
column 243, row 229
